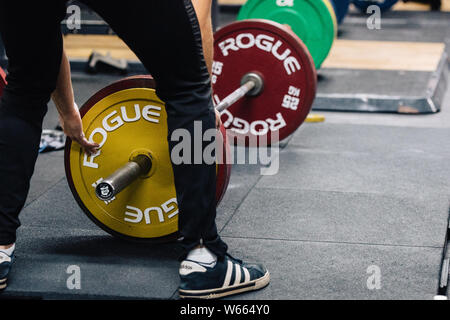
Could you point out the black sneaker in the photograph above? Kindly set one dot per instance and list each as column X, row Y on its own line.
column 6, row 262
column 224, row 278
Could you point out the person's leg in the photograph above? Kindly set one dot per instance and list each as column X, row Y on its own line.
column 166, row 37
column 33, row 42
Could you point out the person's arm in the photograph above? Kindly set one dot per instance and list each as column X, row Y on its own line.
column 203, row 11
column 68, row 111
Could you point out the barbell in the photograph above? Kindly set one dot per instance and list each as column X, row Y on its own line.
column 129, row 122
column 264, row 83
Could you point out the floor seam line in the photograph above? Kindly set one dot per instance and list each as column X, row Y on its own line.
column 51, row 187
column 333, row 242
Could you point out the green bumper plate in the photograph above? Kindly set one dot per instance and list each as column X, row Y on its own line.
column 311, row 20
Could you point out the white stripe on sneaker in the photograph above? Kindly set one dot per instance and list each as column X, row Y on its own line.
column 227, row 281
column 246, row 274
column 237, row 277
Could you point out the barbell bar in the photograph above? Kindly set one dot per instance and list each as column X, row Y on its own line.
column 252, row 85
column 263, row 75
column 139, row 166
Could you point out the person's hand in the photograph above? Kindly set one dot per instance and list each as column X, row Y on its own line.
column 218, row 120
column 73, row 128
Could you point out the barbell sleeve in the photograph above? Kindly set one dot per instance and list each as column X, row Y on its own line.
column 137, row 167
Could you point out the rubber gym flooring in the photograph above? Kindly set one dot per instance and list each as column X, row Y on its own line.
column 356, row 193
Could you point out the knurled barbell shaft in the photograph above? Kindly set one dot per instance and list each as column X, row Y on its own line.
column 251, row 85
column 121, row 178
column 236, row 95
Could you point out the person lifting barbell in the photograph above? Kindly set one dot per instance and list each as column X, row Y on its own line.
column 174, row 57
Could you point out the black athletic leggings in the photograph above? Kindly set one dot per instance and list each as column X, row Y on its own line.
column 165, row 35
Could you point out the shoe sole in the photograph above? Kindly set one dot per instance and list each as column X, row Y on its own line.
column 228, row 291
